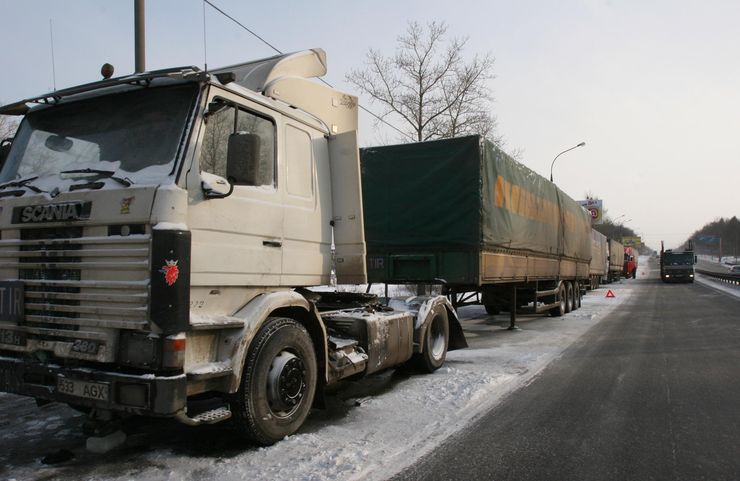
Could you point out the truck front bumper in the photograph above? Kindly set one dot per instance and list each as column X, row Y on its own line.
column 146, row 394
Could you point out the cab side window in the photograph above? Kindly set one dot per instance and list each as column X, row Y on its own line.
column 227, row 123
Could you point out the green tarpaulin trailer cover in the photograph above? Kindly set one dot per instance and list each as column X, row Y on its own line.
column 434, row 209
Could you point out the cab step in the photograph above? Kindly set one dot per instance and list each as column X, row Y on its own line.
column 213, row 416
column 210, row 371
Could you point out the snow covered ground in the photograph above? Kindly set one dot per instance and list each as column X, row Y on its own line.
column 373, row 428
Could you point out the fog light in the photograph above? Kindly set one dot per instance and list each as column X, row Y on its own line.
column 133, row 394
column 173, row 355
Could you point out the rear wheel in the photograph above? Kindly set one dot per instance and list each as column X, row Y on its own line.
column 436, row 340
column 577, row 295
column 560, row 309
column 278, row 383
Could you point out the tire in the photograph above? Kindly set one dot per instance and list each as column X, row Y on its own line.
column 492, row 309
column 578, row 295
column 278, row 383
column 560, row 309
column 436, row 340
column 569, row 297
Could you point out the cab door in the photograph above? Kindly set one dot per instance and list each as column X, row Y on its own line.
column 237, row 240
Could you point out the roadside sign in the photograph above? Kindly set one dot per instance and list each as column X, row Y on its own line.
column 594, row 207
column 631, row 241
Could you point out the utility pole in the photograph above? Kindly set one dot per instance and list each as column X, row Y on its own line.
column 139, row 37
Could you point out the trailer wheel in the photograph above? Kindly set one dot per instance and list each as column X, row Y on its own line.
column 569, row 297
column 436, row 339
column 578, row 295
column 560, row 309
column 278, row 383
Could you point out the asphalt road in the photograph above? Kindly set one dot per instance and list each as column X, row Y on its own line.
column 650, row 393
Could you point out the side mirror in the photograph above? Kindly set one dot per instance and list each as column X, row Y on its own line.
column 4, row 150
column 215, row 186
column 696, row 259
column 242, row 158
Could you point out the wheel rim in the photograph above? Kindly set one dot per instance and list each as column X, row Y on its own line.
column 286, row 384
column 436, row 340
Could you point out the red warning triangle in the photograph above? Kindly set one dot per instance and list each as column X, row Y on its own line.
column 609, row 293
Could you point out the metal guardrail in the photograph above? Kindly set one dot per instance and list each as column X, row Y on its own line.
column 731, row 278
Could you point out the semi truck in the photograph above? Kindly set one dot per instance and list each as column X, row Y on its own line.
column 631, row 256
column 160, row 231
column 677, row 266
column 463, row 215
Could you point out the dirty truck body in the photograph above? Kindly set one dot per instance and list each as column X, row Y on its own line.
column 158, row 233
column 461, row 213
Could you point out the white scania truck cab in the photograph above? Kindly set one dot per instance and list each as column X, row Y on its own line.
column 159, row 233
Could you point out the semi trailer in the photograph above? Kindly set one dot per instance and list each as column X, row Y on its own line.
column 460, row 213
column 599, row 265
column 159, row 236
column 616, row 261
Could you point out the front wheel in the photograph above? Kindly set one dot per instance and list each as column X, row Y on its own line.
column 278, row 383
column 436, row 340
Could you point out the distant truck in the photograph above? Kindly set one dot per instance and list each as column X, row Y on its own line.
column 599, row 265
column 160, row 232
column 462, row 214
column 630, row 262
column 616, row 261
column 677, row 266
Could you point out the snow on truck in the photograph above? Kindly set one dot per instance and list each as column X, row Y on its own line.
column 159, row 232
column 461, row 213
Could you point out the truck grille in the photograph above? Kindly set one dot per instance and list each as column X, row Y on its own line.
column 77, row 284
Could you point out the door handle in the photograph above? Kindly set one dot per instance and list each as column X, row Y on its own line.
column 272, row 243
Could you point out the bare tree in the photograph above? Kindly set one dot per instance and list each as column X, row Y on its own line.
column 429, row 86
column 8, row 126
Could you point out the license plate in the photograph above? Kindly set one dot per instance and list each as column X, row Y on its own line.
column 11, row 301
column 88, row 390
column 13, row 338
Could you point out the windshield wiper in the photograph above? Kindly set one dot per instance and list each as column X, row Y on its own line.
column 108, row 174
column 24, row 183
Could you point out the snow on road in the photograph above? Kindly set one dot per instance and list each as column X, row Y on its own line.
column 376, row 426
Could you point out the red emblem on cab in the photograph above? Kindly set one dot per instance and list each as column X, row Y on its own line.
column 170, row 271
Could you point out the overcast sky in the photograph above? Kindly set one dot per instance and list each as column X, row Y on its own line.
column 651, row 86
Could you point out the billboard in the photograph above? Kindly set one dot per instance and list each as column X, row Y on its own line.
column 594, row 207
column 631, row 241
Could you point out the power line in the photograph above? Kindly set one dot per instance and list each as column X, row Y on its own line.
column 380, row 119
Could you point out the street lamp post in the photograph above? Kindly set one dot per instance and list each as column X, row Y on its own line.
column 561, row 153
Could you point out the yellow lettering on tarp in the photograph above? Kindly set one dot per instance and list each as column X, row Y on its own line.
column 518, row 200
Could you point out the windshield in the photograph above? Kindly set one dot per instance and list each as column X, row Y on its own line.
column 134, row 134
column 679, row 259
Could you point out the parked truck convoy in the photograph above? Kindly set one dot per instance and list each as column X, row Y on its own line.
column 677, row 266
column 159, row 232
column 463, row 214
